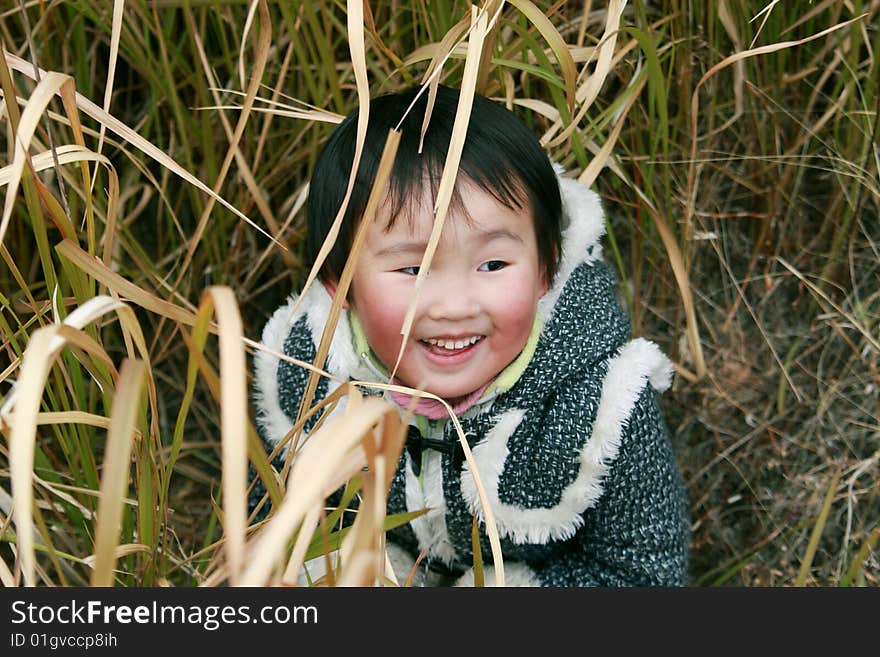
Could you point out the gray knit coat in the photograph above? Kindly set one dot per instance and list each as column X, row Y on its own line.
column 575, row 457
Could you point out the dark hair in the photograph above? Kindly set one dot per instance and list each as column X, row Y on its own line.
column 501, row 156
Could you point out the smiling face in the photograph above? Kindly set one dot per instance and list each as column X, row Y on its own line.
column 477, row 305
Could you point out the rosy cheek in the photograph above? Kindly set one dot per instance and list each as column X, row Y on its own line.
column 518, row 319
column 381, row 310
column 517, row 314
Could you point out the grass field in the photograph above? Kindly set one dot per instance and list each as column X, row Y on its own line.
column 154, row 176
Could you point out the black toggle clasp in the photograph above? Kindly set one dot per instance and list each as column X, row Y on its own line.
column 416, row 444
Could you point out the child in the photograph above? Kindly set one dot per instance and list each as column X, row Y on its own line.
column 518, row 329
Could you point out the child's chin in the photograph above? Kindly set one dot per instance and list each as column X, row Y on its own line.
column 454, row 394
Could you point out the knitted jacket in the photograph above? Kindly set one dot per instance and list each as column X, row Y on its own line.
column 574, row 453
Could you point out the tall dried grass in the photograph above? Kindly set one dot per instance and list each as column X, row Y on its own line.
column 736, row 147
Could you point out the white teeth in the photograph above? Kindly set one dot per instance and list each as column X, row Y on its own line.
column 454, row 344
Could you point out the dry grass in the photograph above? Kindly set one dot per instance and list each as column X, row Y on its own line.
column 736, row 149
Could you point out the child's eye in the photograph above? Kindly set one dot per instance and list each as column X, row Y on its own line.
column 492, row 265
column 411, row 271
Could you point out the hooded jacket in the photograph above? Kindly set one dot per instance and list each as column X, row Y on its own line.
column 569, row 441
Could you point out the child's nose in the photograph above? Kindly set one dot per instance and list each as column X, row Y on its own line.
column 448, row 299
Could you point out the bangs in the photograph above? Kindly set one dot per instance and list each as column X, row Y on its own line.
column 415, row 181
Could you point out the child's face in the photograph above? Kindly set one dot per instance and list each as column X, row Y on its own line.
column 477, row 305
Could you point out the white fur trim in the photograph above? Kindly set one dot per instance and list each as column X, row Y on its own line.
column 515, row 575
column 659, row 367
column 490, row 455
column 430, row 529
column 639, row 362
column 402, row 564
column 341, row 359
column 270, row 416
column 583, row 224
column 315, row 569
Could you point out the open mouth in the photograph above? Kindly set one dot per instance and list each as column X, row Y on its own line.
column 451, row 346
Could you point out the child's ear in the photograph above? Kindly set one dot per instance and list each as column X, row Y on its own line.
column 545, row 284
column 331, row 285
column 545, row 274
